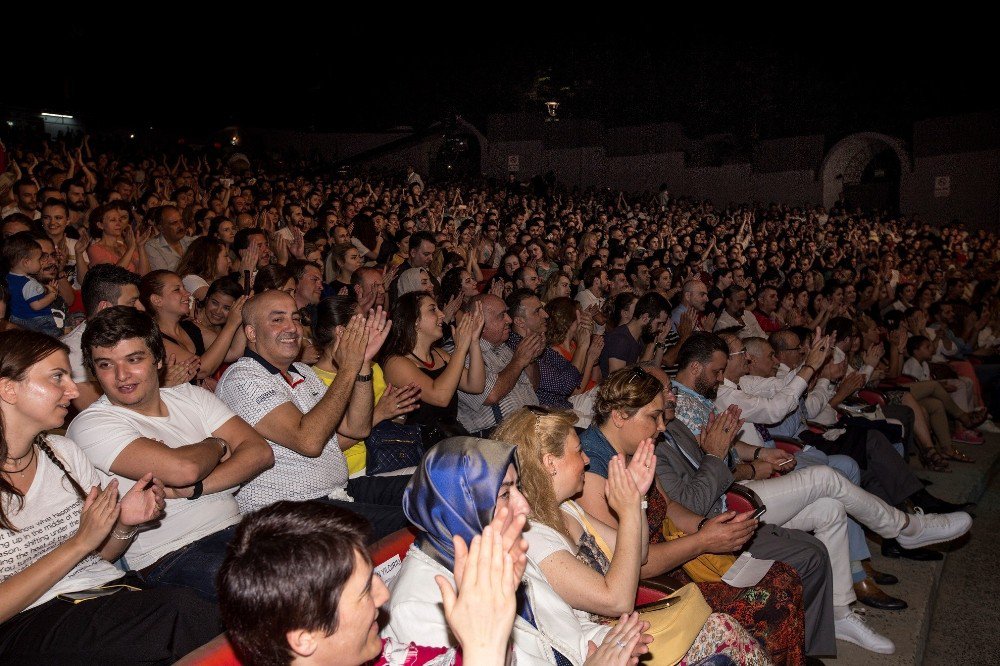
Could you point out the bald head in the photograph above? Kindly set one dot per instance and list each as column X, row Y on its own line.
column 695, row 294
column 496, row 328
column 262, row 304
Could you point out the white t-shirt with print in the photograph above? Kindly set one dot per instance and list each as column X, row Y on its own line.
column 104, row 430
column 51, row 515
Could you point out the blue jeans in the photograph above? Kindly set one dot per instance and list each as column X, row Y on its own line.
column 192, row 566
column 856, row 545
column 43, row 324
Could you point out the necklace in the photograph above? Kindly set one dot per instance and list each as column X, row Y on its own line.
column 26, row 465
column 429, row 366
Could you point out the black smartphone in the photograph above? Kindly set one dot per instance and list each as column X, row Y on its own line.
column 246, row 283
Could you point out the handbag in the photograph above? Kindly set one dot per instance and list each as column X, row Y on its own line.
column 674, row 622
column 707, row 567
column 392, row 446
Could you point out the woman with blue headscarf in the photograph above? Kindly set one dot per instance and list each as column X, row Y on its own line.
column 463, row 485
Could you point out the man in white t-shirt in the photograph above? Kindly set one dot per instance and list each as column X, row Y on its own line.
column 104, row 286
column 185, row 435
column 300, row 417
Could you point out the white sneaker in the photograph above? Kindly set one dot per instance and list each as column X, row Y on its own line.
column 934, row 528
column 988, row 426
column 854, row 630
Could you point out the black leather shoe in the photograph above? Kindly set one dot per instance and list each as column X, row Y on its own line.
column 869, row 594
column 891, row 548
column 880, row 577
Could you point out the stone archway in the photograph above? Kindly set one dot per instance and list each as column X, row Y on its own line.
column 848, row 160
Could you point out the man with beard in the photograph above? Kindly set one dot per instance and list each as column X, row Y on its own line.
column 165, row 250
column 641, row 338
column 736, row 314
column 25, row 200
column 78, row 201
column 49, row 274
column 695, row 467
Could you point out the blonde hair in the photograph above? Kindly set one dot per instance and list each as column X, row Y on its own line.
column 537, row 431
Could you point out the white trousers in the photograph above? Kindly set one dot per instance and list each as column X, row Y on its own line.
column 817, row 499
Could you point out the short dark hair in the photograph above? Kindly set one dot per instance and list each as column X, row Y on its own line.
column 18, row 247
column 157, row 213
column 104, row 282
column 286, row 569
column 515, row 302
column 914, row 342
column 652, row 304
column 226, row 284
column 298, row 267
column 419, row 237
column 112, row 325
column 699, row 348
column 241, row 240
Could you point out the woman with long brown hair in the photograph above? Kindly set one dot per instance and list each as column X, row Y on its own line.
column 165, row 298
column 60, row 593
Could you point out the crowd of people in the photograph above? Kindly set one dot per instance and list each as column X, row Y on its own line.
column 258, row 372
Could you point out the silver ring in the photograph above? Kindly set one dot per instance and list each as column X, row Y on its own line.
column 620, row 644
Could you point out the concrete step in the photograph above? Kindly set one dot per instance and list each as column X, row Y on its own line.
column 919, row 581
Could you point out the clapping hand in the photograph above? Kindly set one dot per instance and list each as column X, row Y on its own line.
column 143, row 502
column 395, row 402
column 721, row 431
column 378, row 330
column 98, row 516
column 623, row 645
column 642, row 467
column 181, row 373
column 349, row 345
column 621, row 490
column 481, row 614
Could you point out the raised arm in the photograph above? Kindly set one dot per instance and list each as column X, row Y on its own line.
column 307, row 434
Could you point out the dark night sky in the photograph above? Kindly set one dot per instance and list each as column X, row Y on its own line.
column 763, row 82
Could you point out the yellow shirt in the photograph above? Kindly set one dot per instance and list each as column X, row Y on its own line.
column 357, row 455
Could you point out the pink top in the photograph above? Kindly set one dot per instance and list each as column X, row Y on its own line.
column 99, row 253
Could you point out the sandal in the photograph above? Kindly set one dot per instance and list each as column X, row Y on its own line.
column 931, row 459
column 957, row 456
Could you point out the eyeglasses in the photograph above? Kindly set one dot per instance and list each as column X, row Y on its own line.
column 742, row 351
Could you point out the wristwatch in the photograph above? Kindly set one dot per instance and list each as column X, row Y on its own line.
column 364, row 378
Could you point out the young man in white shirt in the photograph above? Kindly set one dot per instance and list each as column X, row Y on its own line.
column 185, row 435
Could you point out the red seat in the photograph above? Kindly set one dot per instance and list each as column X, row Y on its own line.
column 741, row 499
column 396, row 543
column 789, row 445
column 872, row 397
column 217, row 652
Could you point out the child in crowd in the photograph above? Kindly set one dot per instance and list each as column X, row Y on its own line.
column 29, row 299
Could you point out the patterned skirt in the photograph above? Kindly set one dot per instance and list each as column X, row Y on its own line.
column 772, row 611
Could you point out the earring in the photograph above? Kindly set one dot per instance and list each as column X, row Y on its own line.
column 552, row 473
